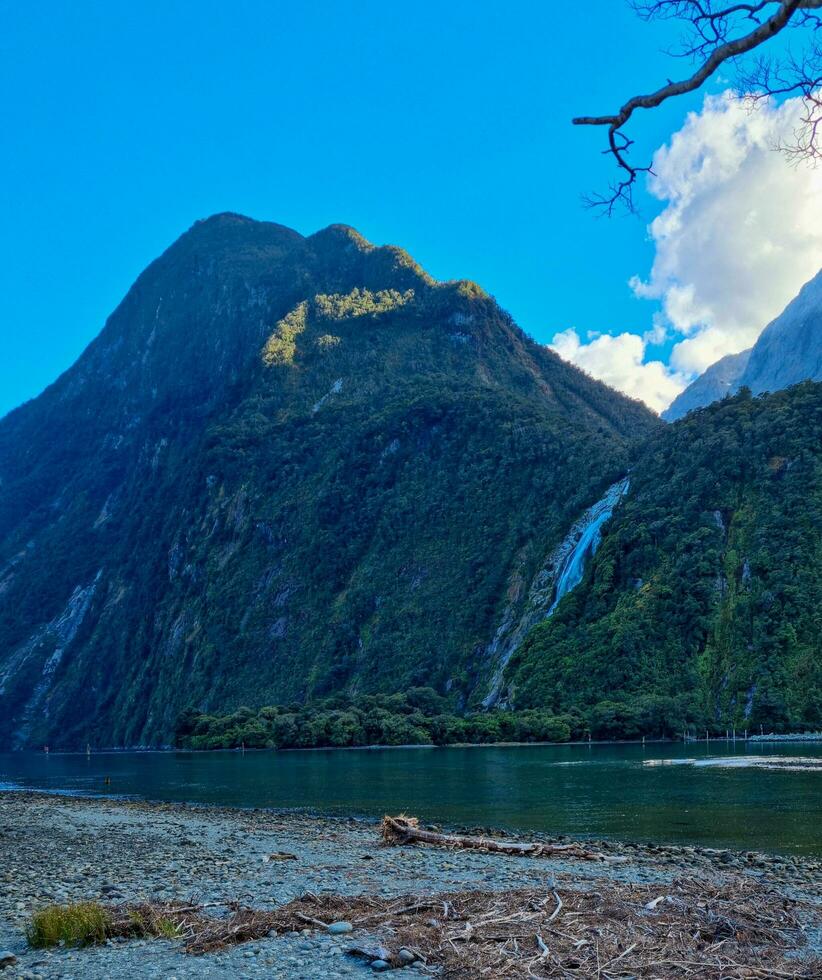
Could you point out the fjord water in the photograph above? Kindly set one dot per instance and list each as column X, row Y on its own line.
column 763, row 797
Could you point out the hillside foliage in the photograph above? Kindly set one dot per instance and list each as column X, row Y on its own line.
column 707, row 587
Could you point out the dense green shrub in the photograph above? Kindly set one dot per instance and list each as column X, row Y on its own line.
column 419, row 716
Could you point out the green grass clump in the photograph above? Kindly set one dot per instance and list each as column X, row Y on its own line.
column 145, row 922
column 166, row 928
column 79, row 924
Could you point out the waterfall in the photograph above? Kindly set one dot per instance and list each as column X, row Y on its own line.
column 589, row 530
column 561, row 573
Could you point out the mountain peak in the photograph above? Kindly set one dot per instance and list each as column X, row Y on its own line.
column 288, row 465
column 229, row 228
column 344, row 235
column 788, row 351
column 228, row 218
column 342, row 250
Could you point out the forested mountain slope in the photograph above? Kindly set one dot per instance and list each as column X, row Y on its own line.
column 287, row 467
column 704, row 600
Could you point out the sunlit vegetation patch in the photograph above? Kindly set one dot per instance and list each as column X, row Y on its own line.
column 469, row 289
column 360, row 302
column 327, row 341
column 281, row 346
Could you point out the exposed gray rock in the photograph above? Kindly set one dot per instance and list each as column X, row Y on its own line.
column 716, row 382
column 789, row 350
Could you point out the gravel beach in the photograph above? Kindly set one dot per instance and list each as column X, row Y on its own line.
column 57, row 849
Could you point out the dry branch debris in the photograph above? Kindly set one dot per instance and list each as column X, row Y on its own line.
column 734, row 930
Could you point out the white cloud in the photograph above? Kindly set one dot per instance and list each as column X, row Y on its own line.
column 619, row 362
column 658, row 332
column 741, row 231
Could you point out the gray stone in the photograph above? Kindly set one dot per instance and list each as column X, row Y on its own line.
column 7, row 959
column 337, row 928
column 380, row 965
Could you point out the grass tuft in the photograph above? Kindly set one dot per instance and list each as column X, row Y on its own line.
column 80, row 924
column 87, row 923
column 166, row 928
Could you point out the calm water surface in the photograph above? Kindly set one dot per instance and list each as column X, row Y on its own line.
column 723, row 795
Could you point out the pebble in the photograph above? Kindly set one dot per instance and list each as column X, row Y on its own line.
column 7, row 959
column 338, row 928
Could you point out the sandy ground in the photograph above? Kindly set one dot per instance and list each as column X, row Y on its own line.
column 62, row 849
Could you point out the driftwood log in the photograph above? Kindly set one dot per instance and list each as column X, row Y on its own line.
column 406, row 830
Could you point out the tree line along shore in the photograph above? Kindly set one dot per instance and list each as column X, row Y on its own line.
column 421, row 716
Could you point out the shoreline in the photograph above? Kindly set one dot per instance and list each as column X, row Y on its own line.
column 806, row 738
column 375, row 747
column 72, row 848
column 360, row 818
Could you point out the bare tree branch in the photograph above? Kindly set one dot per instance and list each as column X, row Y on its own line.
column 792, row 75
column 714, row 36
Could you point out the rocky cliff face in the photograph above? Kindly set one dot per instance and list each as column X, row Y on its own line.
column 789, row 350
column 287, row 466
column 717, row 382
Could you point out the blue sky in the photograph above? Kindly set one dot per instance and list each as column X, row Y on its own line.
column 441, row 127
